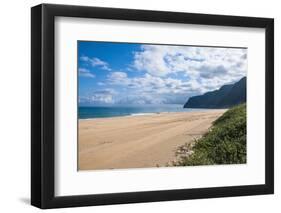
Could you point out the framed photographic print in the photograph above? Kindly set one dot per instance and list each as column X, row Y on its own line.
column 139, row 106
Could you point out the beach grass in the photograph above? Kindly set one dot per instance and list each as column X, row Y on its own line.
column 224, row 143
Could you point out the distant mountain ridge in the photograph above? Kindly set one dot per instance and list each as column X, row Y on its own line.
column 225, row 97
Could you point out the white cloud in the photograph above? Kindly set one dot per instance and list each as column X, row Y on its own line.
column 204, row 69
column 97, row 97
column 117, row 78
column 151, row 61
column 141, row 99
column 170, row 74
column 194, row 62
column 149, row 89
column 85, row 73
column 96, row 62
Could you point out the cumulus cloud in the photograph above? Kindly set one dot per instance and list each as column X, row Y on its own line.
column 97, row 97
column 148, row 89
column 194, row 62
column 141, row 99
column 95, row 62
column 85, row 73
column 169, row 74
column 117, row 77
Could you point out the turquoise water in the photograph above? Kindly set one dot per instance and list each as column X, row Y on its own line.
column 105, row 112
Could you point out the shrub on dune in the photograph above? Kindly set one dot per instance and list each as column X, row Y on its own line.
column 225, row 143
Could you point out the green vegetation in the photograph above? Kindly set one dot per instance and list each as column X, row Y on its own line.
column 225, row 143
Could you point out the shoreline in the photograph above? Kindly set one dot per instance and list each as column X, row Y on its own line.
column 148, row 113
column 148, row 140
column 121, row 116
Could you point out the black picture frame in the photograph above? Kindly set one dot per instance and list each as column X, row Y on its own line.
column 43, row 114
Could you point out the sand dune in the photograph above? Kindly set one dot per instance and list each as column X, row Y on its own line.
column 138, row 141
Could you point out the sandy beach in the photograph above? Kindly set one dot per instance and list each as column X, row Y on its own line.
column 139, row 141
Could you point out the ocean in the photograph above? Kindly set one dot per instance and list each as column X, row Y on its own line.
column 88, row 112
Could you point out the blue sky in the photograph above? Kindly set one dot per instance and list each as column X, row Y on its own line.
column 136, row 74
